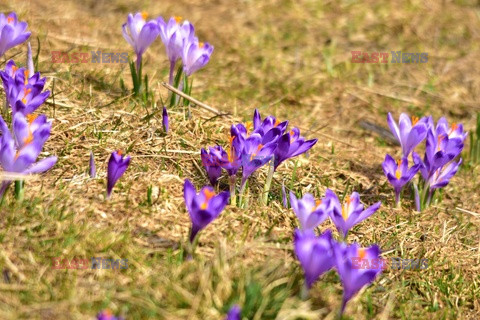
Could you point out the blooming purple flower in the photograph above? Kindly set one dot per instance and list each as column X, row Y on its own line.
column 353, row 279
column 235, row 313
column 195, row 54
column 93, row 169
column 409, row 133
column 350, row 213
column 107, row 315
column 314, row 253
column 19, row 151
column 270, row 122
column 255, row 155
column 117, row 165
column 140, row 34
column 24, row 93
column 12, row 32
column 213, row 161
column 290, row 145
column 310, row 213
column 203, row 207
column 174, row 34
column 165, row 119
column 441, row 176
column 398, row 173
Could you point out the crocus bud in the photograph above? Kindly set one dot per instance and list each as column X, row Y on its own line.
column 31, row 70
column 117, row 164
column 93, row 169
column 165, row 119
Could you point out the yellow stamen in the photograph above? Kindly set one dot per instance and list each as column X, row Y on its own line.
column 25, row 93
column 398, row 172
column 144, row 15
column 346, row 209
column 208, row 195
column 248, row 125
column 414, row 120
column 361, row 253
column 178, row 19
column 201, row 45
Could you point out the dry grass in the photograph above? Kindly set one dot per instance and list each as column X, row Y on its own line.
column 287, row 58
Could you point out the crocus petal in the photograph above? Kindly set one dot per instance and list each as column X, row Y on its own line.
column 42, row 165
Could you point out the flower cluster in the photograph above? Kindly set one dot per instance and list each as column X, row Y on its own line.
column 319, row 254
column 251, row 146
column 444, row 144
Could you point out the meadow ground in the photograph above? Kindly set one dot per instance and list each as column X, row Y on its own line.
column 288, row 58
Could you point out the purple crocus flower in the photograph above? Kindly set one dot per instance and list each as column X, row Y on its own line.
column 140, row 34
column 351, row 213
column 440, row 149
column 203, row 207
column 19, row 151
column 409, row 133
column 213, row 161
column 309, row 212
column 30, row 67
column 93, row 169
column 117, row 164
column 107, row 315
column 235, row 313
column 234, row 153
column 290, row 145
column 353, row 279
column 255, row 155
column 441, row 177
column 398, row 173
column 24, row 93
column 195, row 54
column 314, row 253
column 165, row 119
column 12, row 32
column 270, row 122
column 174, row 33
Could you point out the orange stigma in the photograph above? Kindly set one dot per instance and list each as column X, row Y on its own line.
column 317, row 203
column 260, row 146
column 453, row 128
column 14, row 69
column 29, row 138
column 31, row 117
column 25, row 73
column 25, row 93
column 119, row 152
column 9, row 20
column 277, row 122
column 178, row 19
column 398, row 173
column 144, row 15
column 292, row 133
column 361, row 253
column 414, row 120
column 208, row 195
column 248, row 125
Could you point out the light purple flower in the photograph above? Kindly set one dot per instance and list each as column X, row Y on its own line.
column 350, row 213
column 290, row 145
column 174, row 34
column 117, row 165
column 140, row 34
column 195, row 55
column 203, row 207
column 235, row 313
column 409, row 133
column 309, row 212
column 12, row 32
column 19, row 151
column 398, row 173
column 441, row 177
column 314, row 253
column 212, row 162
column 353, row 279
